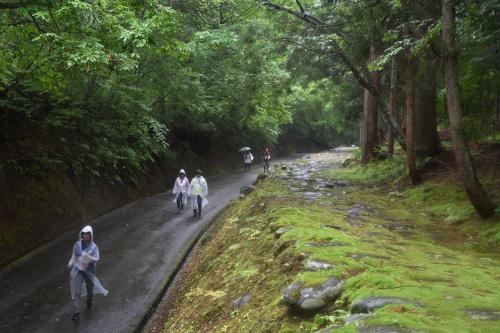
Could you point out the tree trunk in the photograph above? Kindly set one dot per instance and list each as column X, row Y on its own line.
column 370, row 114
column 410, row 119
column 393, row 100
column 411, row 65
column 497, row 118
column 426, row 138
column 477, row 195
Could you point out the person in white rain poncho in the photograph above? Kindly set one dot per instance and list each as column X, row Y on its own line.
column 82, row 264
column 248, row 159
column 180, row 190
column 198, row 191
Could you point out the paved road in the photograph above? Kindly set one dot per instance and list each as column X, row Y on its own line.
column 141, row 244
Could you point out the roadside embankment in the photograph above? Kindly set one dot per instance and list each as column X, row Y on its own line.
column 317, row 247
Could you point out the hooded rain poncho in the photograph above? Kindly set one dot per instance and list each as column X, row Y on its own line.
column 85, row 260
column 181, row 186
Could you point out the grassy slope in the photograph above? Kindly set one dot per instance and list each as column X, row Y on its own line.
column 438, row 265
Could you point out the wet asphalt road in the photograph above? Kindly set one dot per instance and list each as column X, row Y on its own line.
column 140, row 244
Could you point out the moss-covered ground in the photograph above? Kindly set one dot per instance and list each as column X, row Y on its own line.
column 423, row 243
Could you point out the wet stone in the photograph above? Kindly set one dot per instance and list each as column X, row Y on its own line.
column 348, row 162
column 355, row 223
column 373, row 233
column 325, row 244
column 312, row 298
column 367, row 255
column 332, row 227
column 311, row 195
column 353, row 212
column 479, row 314
column 305, row 179
column 385, row 329
column 353, row 216
column 273, row 226
column 313, row 265
column 336, row 183
column 260, row 177
column 242, row 301
column 354, row 318
column 278, row 233
column 246, row 189
column 398, row 227
column 369, row 304
column 329, row 329
column 283, row 246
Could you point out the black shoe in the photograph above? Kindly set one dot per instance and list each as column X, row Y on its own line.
column 194, row 213
column 75, row 316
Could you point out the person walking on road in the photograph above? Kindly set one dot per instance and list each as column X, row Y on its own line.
column 180, row 190
column 266, row 156
column 83, row 270
column 248, row 159
column 198, row 191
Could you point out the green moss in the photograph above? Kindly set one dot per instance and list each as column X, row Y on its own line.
column 376, row 173
column 441, row 278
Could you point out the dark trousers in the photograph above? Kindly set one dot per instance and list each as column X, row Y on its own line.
column 247, row 166
column 180, row 201
column 266, row 165
column 80, row 277
column 199, row 201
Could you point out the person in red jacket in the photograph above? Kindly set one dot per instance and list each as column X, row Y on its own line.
column 266, row 156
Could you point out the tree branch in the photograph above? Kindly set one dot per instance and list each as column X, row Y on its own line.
column 357, row 73
column 300, row 6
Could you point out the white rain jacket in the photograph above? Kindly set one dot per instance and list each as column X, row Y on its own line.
column 198, row 186
column 85, row 260
column 181, row 186
column 248, row 157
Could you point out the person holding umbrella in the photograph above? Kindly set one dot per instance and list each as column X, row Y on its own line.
column 247, row 158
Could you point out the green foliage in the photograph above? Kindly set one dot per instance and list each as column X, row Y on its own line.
column 104, row 88
column 377, row 173
column 325, row 111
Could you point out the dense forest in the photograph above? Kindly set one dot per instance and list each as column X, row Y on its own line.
column 104, row 90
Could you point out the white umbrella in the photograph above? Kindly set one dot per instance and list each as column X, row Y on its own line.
column 245, row 149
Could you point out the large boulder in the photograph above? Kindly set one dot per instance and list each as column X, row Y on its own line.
column 246, row 189
column 312, row 298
